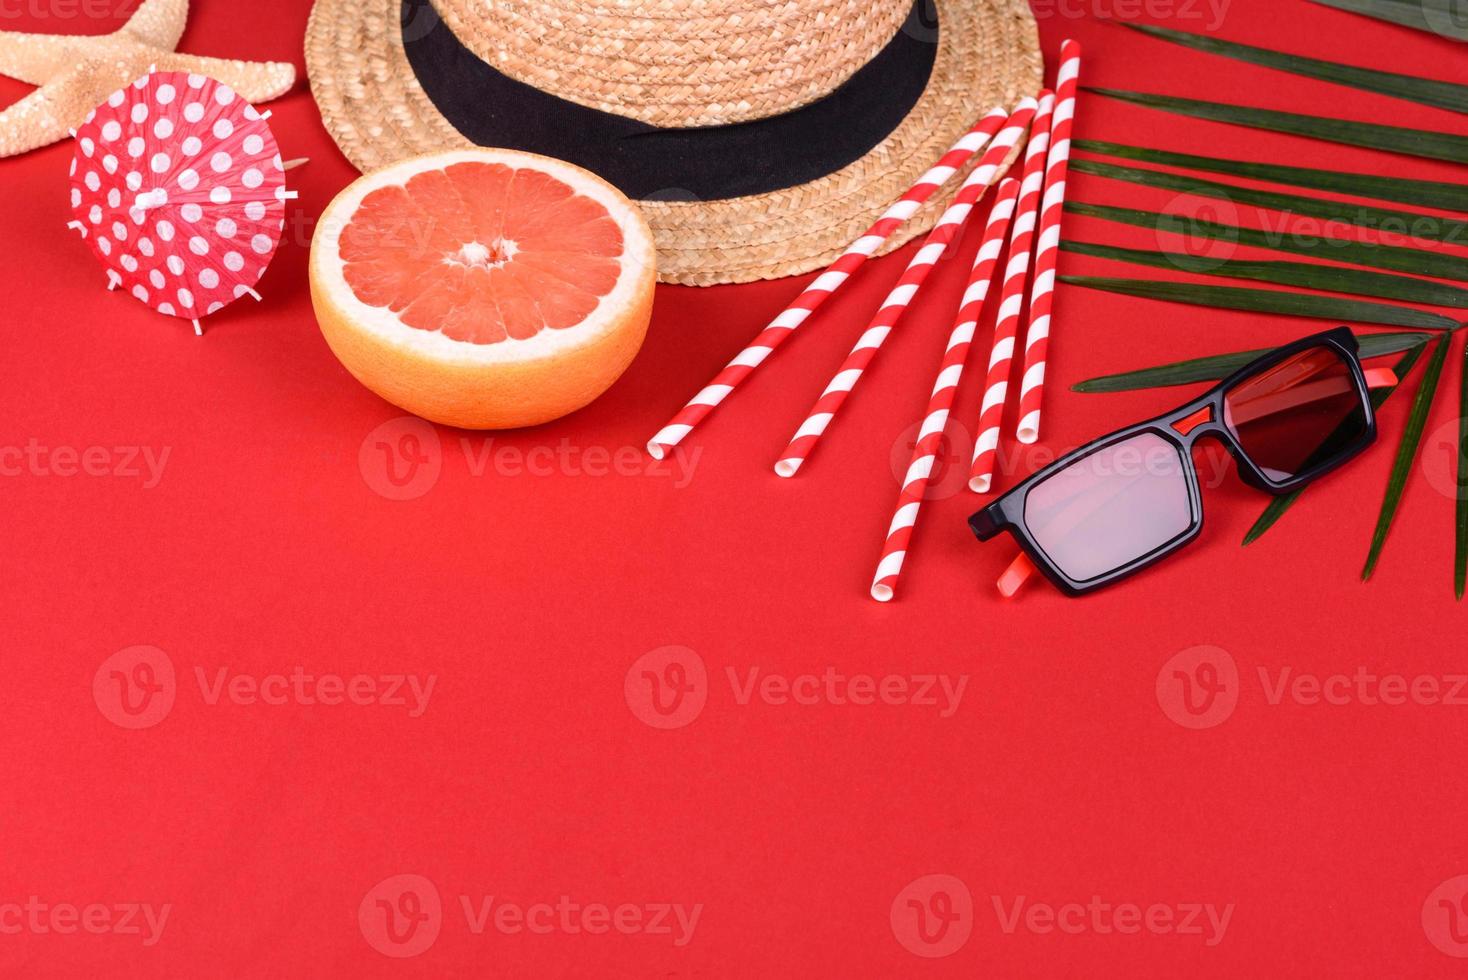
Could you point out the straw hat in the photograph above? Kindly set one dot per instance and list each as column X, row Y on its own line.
column 761, row 136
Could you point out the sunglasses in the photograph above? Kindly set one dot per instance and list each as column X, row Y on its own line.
column 1126, row 501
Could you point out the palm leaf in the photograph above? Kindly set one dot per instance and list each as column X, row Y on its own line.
column 1328, row 278
column 1267, row 301
column 1433, row 16
column 1443, row 95
column 1460, row 557
column 1406, row 453
column 1219, row 366
column 1279, row 505
column 1412, row 223
column 1426, row 193
column 1393, row 139
column 1392, row 257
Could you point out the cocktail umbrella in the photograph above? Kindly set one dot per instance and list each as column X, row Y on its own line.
column 178, row 187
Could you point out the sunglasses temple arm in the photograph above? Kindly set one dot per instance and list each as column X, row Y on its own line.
column 1293, row 397
column 1016, row 575
column 1381, row 378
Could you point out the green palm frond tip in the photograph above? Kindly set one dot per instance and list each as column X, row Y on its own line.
column 1432, row 16
column 1410, row 88
column 1460, row 551
column 1407, row 452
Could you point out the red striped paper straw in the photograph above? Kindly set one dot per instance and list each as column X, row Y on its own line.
column 950, row 373
column 825, row 285
column 948, row 228
column 1016, row 276
column 1042, row 301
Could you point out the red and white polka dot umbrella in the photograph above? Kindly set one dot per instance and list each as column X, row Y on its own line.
column 178, row 186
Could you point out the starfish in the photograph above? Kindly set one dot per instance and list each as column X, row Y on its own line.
column 75, row 74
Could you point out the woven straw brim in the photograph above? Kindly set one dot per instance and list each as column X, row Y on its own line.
column 988, row 55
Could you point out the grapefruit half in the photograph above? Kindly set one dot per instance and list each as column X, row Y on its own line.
column 485, row 288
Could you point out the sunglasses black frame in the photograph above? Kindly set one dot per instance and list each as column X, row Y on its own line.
column 1007, row 513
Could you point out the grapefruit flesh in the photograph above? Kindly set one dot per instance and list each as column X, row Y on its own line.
column 485, row 288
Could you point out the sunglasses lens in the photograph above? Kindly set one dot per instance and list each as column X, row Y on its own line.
column 1298, row 414
column 1105, row 511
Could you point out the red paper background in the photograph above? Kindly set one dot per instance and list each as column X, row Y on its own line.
column 264, row 549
